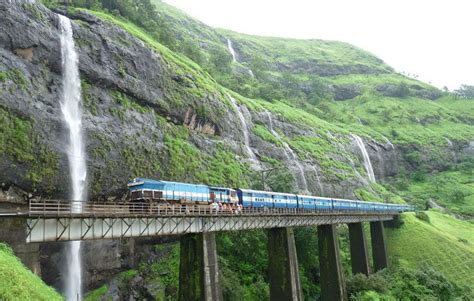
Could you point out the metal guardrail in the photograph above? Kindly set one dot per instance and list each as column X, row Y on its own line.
column 132, row 209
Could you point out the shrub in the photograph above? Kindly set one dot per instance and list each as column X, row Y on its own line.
column 359, row 283
column 423, row 216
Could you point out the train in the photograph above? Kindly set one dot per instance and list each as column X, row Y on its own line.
column 168, row 192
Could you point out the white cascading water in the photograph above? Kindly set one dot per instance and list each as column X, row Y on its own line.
column 245, row 130
column 449, row 142
column 365, row 155
column 234, row 57
column 231, row 50
column 318, row 179
column 389, row 142
column 22, row 1
column 71, row 110
column 451, row 146
column 290, row 155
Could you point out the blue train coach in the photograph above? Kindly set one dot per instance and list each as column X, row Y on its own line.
column 223, row 195
column 314, row 203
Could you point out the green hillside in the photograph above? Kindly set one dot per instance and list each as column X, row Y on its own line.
column 19, row 283
column 452, row 189
column 323, row 91
column 444, row 243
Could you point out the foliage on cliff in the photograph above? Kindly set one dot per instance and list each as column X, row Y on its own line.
column 17, row 282
column 322, row 90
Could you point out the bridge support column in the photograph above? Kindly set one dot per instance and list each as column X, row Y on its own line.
column 379, row 246
column 198, row 268
column 283, row 269
column 358, row 245
column 333, row 286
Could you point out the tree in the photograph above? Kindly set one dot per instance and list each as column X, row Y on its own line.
column 220, row 60
column 465, row 91
column 192, row 51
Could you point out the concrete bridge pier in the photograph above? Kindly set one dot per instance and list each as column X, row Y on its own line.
column 198, row 268
column 333, row 286
column 283, row 269
column 358, row 246
column 379, row 246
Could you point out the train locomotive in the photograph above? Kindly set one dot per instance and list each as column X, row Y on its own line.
column 174, row 193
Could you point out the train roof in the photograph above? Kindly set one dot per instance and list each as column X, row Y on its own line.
column 313, row 197
column 221, row 188
column 266, row 192
column 138, row 180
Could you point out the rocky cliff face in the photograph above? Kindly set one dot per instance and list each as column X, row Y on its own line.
column 149, row 112
column 136, row 100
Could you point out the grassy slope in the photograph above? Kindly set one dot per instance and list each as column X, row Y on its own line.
column 408, row 120
column 446, row 244
column 404, row 120
column 19, row 283
column 453, row 189
column 268, row 48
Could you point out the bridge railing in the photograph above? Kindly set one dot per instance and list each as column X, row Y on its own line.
column 112, row 209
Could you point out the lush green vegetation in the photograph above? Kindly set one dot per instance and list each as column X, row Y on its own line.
column 19, row 141
column 299, row 81
column 18, row 282
column 401, row 283
column 444, row 243
column 452, row 189
column 407, row 120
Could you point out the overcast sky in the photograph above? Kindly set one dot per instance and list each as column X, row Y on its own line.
column 433, row 39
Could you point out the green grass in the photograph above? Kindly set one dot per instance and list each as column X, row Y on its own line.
column 179, row 63
column 264, row 133
column 445, row 244
column 405, row 121
column 20, row 141
column 19, row 283
column 453, row 189
column 96, row 294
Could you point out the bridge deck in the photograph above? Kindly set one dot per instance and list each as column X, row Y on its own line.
column 127, row 209
column 60, row 220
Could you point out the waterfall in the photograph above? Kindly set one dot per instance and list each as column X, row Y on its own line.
column 451, row 147
column 388, row 142
column 321, row 189
column 365, row 155
column 449, row 142
column 234, row 57
column 71, row 110
column 381, row 163
column 290, row 154
column 231, row 50
column 245, row 130
column 22, row 1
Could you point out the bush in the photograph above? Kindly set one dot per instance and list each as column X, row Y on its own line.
column 360, row 283
column 423, row 216
column 421, row 284
column 367, row 296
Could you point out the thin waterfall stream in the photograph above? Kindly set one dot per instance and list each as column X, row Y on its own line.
column 290, row 155
column 365, row 155
column 245, row 131
column 234, row 56
column 72, row 115
column 231, row 50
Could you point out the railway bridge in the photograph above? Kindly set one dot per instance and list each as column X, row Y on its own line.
column 46, row 221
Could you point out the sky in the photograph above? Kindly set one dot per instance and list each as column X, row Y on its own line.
column 430, row 39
